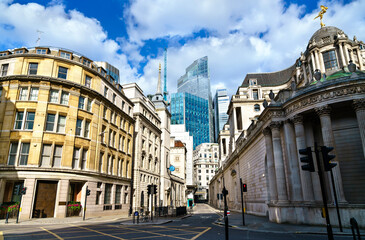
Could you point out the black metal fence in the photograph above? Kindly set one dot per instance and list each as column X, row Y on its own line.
column 161, row 211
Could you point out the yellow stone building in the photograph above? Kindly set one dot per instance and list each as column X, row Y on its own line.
column 65, row 127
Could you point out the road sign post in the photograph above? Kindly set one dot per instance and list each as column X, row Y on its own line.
column 225, row 192
column 242, row 206
column 87, row 194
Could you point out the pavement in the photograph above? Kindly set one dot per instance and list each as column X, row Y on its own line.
column 262, row 224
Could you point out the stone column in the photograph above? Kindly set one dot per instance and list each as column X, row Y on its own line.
column 279, row 162
column 343, row 60
column 294, row 175
column 359, row 106
column 346, row 54
column 360, row 59
column 313, row 62
column 329, row 141
column 321, row 62
column 305, row 176
column 305, row 73
column 317, row 60
column 270, row 165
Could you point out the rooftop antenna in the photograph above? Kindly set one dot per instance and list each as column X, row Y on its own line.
column 39, row 36
column 165, row 93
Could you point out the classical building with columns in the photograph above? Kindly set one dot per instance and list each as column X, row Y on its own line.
column 329, row 111
column 65, row 126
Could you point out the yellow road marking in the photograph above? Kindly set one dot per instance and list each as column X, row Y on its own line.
column 1, row 235
column 51, row 233
column 105, row 234
column 177, row 229
column 206, row 230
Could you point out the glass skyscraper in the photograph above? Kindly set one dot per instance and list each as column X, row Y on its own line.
column 193, row 112
column 220, row 105
column 196, row 81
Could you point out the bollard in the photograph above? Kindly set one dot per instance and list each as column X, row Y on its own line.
column 7, row 217
column 354, row 226
column 134, row 218
column 137, row 219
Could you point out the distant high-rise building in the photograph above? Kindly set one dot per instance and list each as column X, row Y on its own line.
column 220, row 105
column 196, row 81
column 193, row 112
column 112, row 71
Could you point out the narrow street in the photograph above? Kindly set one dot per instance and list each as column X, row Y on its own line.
column 199, row 226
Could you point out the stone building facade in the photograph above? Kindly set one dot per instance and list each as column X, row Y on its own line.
column 330, row 112
column 178, row 176
column 147, row 147
column 64, row 127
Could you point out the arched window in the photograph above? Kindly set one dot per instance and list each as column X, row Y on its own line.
column 257, row 107
column 142, row 199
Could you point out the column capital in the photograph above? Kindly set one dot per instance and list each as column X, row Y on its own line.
column 297, row 119
column 359, row 104
column 266, row 131
column 323, row 111
column 287, row 121
column 275, row 125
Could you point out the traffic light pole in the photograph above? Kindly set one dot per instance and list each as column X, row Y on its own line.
column 336, row 202
column 83, row 215
column 243, row 209
column 324, row 194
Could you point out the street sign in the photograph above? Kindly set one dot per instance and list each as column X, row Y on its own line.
column 228, row 213
column 136, row 213
column 172, row 168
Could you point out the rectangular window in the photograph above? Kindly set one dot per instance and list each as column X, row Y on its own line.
column 84, row 159
column 41, row 51
column 61, row 125
column 104, row 112
column 57, row 156
column 105, row 92
column 103, row 134
column 24, row 153
column 123, row 143
column 78, row 127
column 118, row 192
column 330, row 60
column 87, row 129
column 12, row 153
column 4, row 69
column 101, row 162
column 53, row 96
column 108, row 163
column 23, row 94
column 128, row 147
column 255, row 94
column 29, row 121
column 120, row 142
column 118, row 167
column 65, row 55
column 46, row 155
column 86, row 62
column 64, row 98
column 88, row 106
column 33, row 67
column 76, row 158
column 108, row 193
column 62, row 72
column 114, row 97
column 123, row 103
column 81, row 102
column 33, row 94
column 87, row 81
column 19, row 120
column 50, row 122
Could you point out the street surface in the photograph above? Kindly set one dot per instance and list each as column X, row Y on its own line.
column 199, row 226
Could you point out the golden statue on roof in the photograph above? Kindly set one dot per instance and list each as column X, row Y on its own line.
column 320, row 14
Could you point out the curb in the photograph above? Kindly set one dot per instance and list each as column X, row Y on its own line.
column 289, row 232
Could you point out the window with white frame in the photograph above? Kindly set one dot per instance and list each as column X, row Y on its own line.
column 87, row 129
column 101, row 162
column 81, row 102
column 65, row 55
column 41, row 51
column 32, row 96
column 22, row 156
column 78, row 127
column 84, row 159
column 118, row 193
column 33, row 68
column 87, row 81
column 108, row 163
column 53, row 96
column 104, row 112
column 57, row 156
column 51, row 121
column 76, row 158
column 88, row 105
column 253, row 82
column 103, row 134
column 4, row 69
column 105, row 92
column 24, row 124
column 64, row 97
column 46, row 155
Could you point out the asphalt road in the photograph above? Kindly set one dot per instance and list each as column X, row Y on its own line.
column 199, row 226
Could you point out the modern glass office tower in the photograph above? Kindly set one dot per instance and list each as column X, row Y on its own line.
column 196, row 81
column 193, row 112
column 220, row 106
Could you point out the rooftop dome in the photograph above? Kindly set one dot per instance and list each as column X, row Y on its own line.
column 325, row 34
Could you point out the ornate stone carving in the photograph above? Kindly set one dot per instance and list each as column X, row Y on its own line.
column 266, row 132
column 324, row 110
column 359, row 104
column 275, row 125
column 297, row 119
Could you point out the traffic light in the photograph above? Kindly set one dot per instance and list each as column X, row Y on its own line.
column 244, row 187
column 327, row 158
column 88, row 192
column 224, row 191
column 149, row 189
column 23, row 191
column 307, row 159
column 154, row 189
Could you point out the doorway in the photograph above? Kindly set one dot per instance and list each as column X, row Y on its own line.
column 45, row 199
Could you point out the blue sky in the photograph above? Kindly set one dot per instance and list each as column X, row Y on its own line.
column 238, row 36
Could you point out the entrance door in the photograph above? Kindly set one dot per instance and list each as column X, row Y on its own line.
column 45, row 199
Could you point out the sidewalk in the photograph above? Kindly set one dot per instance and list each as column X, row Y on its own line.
column 262, row 224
